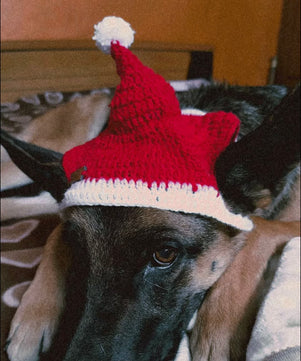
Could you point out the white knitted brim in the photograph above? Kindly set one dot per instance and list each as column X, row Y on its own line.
column 173, row 197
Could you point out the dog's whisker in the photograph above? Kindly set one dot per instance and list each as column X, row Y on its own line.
column 155, row 284
column 102, row 349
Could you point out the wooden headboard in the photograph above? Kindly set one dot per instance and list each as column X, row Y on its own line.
column 36, row 66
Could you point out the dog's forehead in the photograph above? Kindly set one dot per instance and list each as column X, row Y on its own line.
column 136, row 219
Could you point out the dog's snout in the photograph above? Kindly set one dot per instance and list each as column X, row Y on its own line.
column 91, row 340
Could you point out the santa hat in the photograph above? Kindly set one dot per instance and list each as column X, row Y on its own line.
column 150, row 154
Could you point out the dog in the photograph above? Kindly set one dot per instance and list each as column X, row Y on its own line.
column 138, row 275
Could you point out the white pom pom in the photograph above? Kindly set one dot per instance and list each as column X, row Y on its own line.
column 113, row 28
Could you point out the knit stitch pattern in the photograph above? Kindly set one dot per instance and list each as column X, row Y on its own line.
column 142, row 95
column 177, row 149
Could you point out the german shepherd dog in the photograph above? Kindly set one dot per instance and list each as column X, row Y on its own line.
column 139, row 275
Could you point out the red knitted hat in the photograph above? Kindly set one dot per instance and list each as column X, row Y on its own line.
column 150, row 154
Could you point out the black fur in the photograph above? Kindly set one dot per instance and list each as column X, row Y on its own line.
column 264, row 159
column 251, row 104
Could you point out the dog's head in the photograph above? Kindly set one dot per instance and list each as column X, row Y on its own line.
column 139, row 273
column 148, row 271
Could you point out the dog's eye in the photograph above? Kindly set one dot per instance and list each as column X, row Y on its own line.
column 165, row 256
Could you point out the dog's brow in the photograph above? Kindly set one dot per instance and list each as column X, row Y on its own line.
column 155, row 236
column 154, row 233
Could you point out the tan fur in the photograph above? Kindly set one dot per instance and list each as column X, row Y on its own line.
column 225, row 321
column 227, row 315
column 213, row 262
column 38, row 315
column 59, row 129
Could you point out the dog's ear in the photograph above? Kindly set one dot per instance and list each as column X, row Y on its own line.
column 252, row 172
column 41, row 165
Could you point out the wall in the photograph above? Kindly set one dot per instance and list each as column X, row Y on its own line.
column 244, row 33
column 288, row 69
